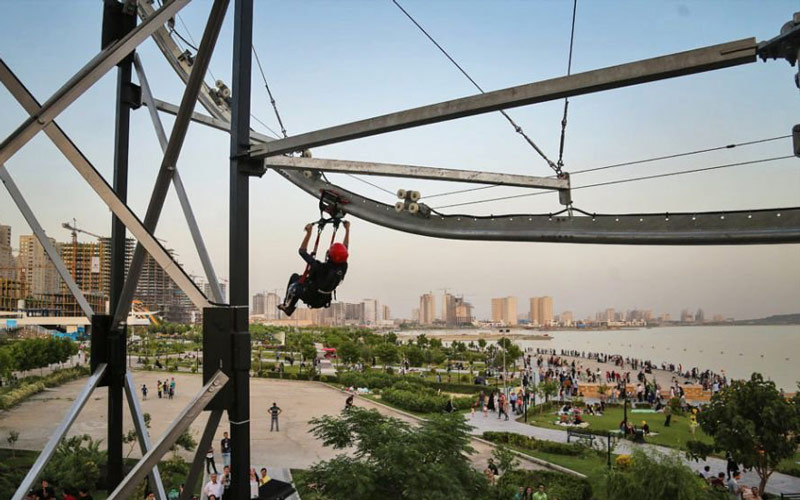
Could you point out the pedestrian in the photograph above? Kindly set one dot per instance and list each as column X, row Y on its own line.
column 225, row 480
column 731, row 466
column 144, row 391
column 213, row 487
column 253, row 483
column 171, row 387
column 159, row 389
column 225, row 448
column 667, row 415
column 210, row 460
column 493, row 467
column 274, row 411
column 540, row 493
column 734, row 489
column 46, row 492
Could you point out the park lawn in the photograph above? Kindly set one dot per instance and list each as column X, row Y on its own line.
column 674, row 436
column 791, row 465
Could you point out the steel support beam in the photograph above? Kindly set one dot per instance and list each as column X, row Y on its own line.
column 104, row 191
column 180, row 424
column 216, row 123
column 118, row 20
column 174, row 145
column 196, row 470
column 85, row 78
column 647, row 70
column 239, row 243
column 188, row 213
column 414, row 172
column 143, row 436
column 59, row 433
column 51, row 251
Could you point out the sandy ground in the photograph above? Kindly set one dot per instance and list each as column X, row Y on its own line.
column 292, row 447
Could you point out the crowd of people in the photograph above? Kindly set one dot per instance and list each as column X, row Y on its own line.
column 165, row 389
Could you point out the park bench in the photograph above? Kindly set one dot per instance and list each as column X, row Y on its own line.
column 585, row 438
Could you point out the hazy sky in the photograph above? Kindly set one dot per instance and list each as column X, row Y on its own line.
column 332, row 62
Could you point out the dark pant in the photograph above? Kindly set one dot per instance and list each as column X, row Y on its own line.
column 210, row 464
column 666, row 422
column 293, row 292
column 274, row 424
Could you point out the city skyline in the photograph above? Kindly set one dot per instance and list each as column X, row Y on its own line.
column 345, row 78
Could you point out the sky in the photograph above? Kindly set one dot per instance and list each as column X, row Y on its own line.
column 330, row 62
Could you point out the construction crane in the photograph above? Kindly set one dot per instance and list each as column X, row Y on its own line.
column 75, row 230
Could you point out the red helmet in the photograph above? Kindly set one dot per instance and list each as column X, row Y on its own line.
column 337, row 253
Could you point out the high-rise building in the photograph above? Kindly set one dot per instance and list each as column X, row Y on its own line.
column 271, row 302
column 40, row 274
column 463, row 312
column 427, row 309
column 371, row 311
column 687, row 316
column 700, row 317
column 541, row 311
column 449, row 309
column 386, row 313
column 8, row 265
column 565, row 318
column 84, row 261
column 259, row 304
column 504, row 310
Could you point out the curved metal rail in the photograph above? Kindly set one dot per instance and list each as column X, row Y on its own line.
column 769, row 226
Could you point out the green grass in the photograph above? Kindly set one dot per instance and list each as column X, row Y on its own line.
column 674, row 436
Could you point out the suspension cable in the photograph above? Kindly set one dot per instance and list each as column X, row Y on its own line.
column 371, row 184
column 636, row 162
column 517, row 128
column 566, row 99
column 623, row 181
column 269, row 92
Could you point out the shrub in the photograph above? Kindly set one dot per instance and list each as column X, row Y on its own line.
column 413, row 397
column 530, row 443
column 557, row 485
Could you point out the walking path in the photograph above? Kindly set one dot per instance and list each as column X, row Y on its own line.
column 778, row 483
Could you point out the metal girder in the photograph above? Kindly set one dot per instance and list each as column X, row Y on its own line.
column 143, row 435
column 173, row 150
column 104, row 191
column 177, row 58
column 702, row 228
column 414, row 172
column 60, row 432
column 85, row 78
column 183, row 198
column 51, row 251
column 180, row 424
column 216, row 123
column 647, row 70
column 196, row 470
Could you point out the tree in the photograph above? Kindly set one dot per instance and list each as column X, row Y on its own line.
column 76, row 463
column 348, row 352
column 7, row 364
column 548, row 389
column 422, row 340
column 751, row 420
column 395, row 460
column 414, row 355
column 387, row 354
column 637, row 480
column 482, row 344
column 13, row 437
column 185, row 441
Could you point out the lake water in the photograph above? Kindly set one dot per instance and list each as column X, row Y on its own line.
column 774, row 351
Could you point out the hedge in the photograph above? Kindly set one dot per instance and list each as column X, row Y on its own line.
column 557, row 485
column 34, row 385
column 382, row 380
column 421, row 399
column 530, row 443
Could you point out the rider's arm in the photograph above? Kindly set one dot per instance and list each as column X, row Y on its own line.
column 307, row 238
column 346, row 241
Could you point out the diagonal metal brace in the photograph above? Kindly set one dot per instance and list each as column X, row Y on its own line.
column 85, row 78
column 143, row 435
column 60, row 432
column 182, row 422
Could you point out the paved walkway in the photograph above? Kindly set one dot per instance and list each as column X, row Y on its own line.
column 778, row 483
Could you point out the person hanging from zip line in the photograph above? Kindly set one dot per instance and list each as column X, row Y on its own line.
column 317, row 286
